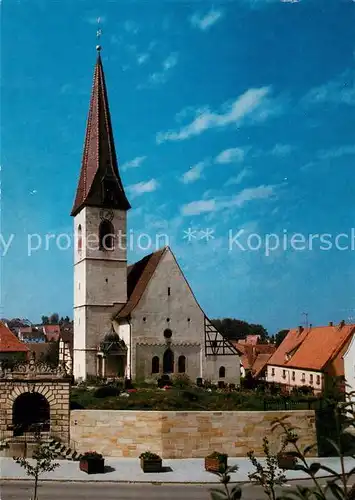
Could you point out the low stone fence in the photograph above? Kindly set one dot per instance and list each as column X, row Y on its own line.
column 193, row 434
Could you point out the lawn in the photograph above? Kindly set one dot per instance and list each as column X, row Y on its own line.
column 174, row 398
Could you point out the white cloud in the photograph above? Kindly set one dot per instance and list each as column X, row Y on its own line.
column 206, row 21
column 170, row 61
column 160, row 77
column 243, row 174
column 253, row 103
column 142, row 58
column 194, row 173
column 341, row 90
column 337, row 152
column 281, row 150
column 136, row 162
column 245, row 196
column 143, row 187
column 131, row 27
column 230, row 155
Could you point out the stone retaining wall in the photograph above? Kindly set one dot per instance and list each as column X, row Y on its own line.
column 182, row 434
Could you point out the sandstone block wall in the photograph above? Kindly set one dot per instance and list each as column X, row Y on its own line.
column 56, row 392
column 181, row 434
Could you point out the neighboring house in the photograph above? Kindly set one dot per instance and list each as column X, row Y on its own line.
column 39, row 349
column 349, row 367
column 31, row 334
column 254, row 357
column 310, row 356
column 11, row 348
column 51, row 332
column 138, row 321
column 250, row 340
column 66, row 348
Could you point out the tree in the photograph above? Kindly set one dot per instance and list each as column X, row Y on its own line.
column 54, row 319
column 44, row 462
column 279, row 337
column 236, row 329
column 45, row 320
column 51, row 356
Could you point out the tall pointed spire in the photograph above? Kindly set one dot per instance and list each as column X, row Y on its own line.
column 99, row 184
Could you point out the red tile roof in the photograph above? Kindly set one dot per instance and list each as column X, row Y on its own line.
column 99, row 157
column 9, row 342
column 312, row 348
column 51, row 332
column 138, row 277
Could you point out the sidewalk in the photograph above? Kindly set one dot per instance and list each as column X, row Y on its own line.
column 127, row 470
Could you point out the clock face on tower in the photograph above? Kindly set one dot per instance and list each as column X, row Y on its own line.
column 106, row 214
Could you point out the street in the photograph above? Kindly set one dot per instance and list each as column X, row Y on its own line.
column 20, row 490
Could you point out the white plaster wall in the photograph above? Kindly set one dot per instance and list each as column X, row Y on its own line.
column 349, row 367
column 124, row 331
column 279, row 378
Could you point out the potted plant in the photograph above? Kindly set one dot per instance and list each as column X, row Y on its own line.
column 287, row 460
column 150, row 462
column 216, row 462
column 92, row 462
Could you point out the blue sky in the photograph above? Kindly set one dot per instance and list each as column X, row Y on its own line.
column 227, row 116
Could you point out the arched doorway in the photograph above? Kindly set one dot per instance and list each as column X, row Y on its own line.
column 30, row 411
column 168, row 361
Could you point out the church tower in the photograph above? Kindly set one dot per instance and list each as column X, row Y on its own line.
column 100, row 214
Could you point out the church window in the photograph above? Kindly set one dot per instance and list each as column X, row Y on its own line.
column 168, row 320
column 106, row 280
column 155, row 364
column 169, row 291
column 181, row 364
column 222, row 372
column 168, row 361
column 168, row 333
column 80, row 241
column 106, row 235
column 188, row 319
column 144, row 319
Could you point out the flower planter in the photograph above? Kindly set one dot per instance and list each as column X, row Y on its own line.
column 287, row 461
column 151, row 465
column 215, row 464
column 92, row 465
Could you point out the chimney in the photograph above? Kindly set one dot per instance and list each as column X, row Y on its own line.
column 330, row 323
column 342, row 323
column 300, row 330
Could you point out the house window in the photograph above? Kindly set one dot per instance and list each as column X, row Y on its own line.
column 318, row 379
column 283, row 373
column 293, row 376
column 155, row 364
column 303, row 378
column 272, row 372
column 311, row 378
column 181, row 364
column 222, row 372
column 106, row 235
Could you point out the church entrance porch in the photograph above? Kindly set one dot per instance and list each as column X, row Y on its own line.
column 30, row 412
column 112, row 357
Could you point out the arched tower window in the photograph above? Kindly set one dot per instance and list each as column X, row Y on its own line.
column 222, row 372
column 168, row 361
column 155, row 364
column 80, row 239
column 106, row 235
column 181, row 364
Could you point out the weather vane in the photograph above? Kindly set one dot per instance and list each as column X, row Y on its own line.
column 98, row 33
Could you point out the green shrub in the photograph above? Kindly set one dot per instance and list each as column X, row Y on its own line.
column 182, row 380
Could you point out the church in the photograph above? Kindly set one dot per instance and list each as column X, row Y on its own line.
column 136, row 321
